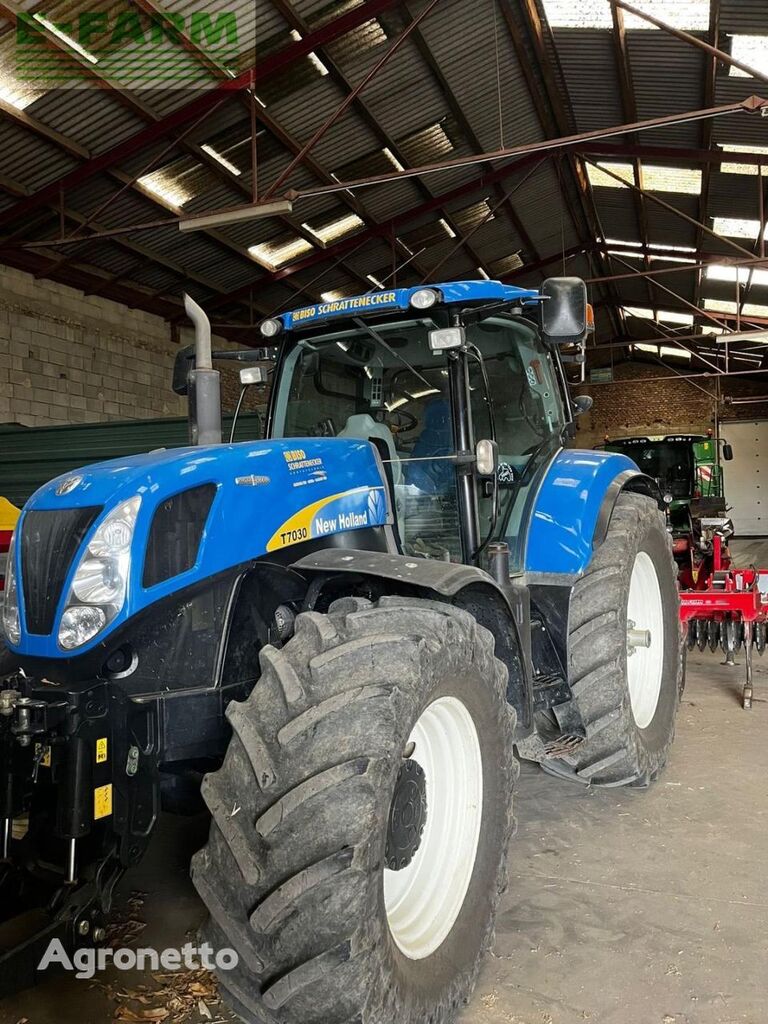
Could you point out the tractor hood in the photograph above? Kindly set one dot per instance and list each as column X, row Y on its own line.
column 193, row 513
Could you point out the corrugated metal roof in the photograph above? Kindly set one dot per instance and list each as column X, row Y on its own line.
column 466, row 72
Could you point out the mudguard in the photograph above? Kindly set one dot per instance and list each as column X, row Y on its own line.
column 573, row 507
column 269, row 495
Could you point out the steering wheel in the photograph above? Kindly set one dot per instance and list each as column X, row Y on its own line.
column 399, row 421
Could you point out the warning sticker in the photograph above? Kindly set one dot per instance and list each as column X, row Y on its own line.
column 101, row 750
column 102, row 802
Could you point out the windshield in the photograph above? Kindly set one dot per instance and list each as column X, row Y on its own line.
column 668, row 462
column 393, row 391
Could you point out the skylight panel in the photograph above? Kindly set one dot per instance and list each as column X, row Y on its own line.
column 172, row 191
column 335, row 229
column 670, row 316
column 655, row 178
column 506, row 265
column 221, row 159
column 279, row 252
column 596, row 176
column 737, row 168
column 688, row 15
column 662, row 350
column 16, row 94
column 672, row 179
column 750, row 50
column 747, row 310
column 734, row 227
column 639, row 311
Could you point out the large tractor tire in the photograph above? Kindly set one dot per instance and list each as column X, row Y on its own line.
column 628, row 693
column 361, row 818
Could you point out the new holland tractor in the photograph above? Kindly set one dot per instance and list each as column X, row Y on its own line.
column 339, row 635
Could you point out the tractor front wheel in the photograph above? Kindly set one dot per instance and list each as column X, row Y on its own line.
column 625, row 651
column 361, row 818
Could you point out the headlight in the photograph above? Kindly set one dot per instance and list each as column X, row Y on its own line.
column 100, row 582
column 10, row 599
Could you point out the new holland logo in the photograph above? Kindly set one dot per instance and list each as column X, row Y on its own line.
column 68, row 485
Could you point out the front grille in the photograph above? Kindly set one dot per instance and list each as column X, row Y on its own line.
column 175, row 534
column 49, row 542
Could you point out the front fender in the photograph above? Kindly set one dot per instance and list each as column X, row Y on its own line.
column 573, row 508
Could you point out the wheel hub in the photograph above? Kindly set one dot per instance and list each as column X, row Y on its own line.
column 407, row 816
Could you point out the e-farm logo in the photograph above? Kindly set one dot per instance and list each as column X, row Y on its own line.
column 128, row 47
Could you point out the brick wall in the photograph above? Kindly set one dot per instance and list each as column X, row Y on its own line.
column 66, row 357
column 636, row 405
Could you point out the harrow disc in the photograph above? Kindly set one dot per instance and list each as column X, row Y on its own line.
column 713, row 634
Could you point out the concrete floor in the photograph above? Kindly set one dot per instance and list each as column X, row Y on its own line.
column 624, row 907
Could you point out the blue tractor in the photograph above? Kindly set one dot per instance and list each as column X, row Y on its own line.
column 338, row 635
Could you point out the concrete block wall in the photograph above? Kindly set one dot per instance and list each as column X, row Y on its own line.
column 67, row 357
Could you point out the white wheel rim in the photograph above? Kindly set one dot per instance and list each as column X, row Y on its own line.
column 424, row 899
column 645, row 664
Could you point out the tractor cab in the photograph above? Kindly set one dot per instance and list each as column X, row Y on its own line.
column 458, row 388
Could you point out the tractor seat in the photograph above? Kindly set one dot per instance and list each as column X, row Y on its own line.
column 365, row 427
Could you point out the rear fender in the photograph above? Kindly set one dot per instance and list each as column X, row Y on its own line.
column 573, row 509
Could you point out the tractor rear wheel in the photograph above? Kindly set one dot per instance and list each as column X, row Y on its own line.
column 361, row 818
column 625, row 651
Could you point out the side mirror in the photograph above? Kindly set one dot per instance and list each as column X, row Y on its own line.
column 727, row 452
column 582, row 404
column 564, row 314
column 486, row 458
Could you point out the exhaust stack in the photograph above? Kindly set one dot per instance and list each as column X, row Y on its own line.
column 204, row 383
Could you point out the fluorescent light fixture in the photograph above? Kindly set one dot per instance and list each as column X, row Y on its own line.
column 216, row 218
column 276, row 254
column 259, row 100
column 407, row 248
column 221, row 159
column 737, row 168
column 374, row 281
column 621, row 243
column 483, row 274
column 335, row 296
column 735, row 227
column 71, row 43
column 446, row 228
column 335, row 229
column 639, row 311
column 750, row 50
column 297, row 37
column 392, row 159
column 656, row 178
column 623, row 253
column 688, row 15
